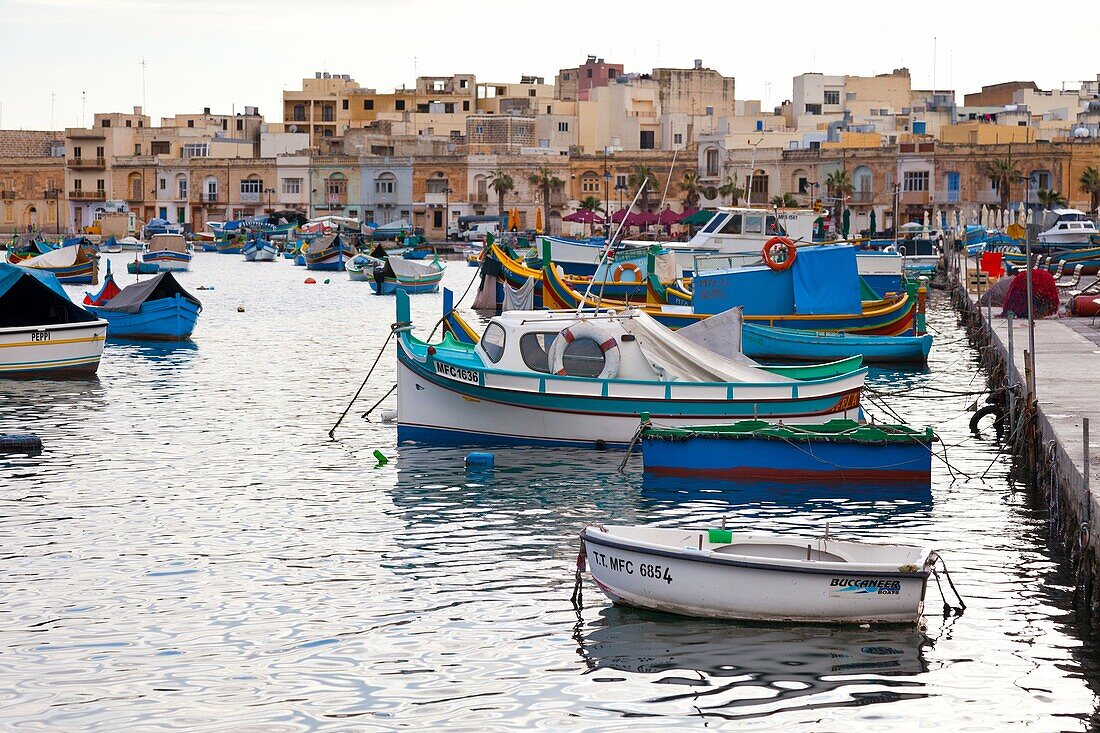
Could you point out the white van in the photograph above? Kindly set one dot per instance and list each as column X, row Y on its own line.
column 477, row 232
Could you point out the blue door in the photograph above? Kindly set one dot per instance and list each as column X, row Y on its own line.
column 952, row 188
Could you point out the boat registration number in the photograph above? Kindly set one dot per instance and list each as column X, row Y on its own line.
column 629, row 567
column 40, row 335
column 458, row 374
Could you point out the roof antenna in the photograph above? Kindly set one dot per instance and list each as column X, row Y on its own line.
column 143, row 65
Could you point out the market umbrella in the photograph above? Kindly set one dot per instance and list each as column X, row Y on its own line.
column 584, row 216
column 847, row 222
column 538, row 220
column 983, row 218
column 640, row 219
column 924, row 219
column 697, row 218
column 1021, row 216
column 618, row 215
column 874, row 222
column 668, row 216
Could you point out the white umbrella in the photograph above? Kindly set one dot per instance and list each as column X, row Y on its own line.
column 925, row 218
column 983, row 218
column 1021, row 219
column 1030, row 216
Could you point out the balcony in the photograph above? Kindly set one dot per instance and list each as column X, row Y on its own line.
column 206, row 198
column 988, row 196
column 250, row 197
column 479, row 198
column 915, row 198
column 862, row 197
column 7, row 195
column 87, row 162
column 80, row 195
column 951, row 197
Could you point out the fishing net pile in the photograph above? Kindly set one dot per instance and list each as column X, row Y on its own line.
column 1044, row 295
column 996, row 293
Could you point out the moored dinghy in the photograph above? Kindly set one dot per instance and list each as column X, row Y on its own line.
column 328, row 252
column 158, row 309
column 42, row 332
column 168, row 252
column 259, row 249
column 398, row 273
column 719, row 574
column 72, row 264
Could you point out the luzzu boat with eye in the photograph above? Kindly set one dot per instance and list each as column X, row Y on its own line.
column 584, row 379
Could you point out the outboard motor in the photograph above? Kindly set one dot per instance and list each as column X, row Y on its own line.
column 379, row 273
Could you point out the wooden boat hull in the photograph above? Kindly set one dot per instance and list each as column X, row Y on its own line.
column 168, row 260
column 696, row 578
column 764, row 342
column 772, row 453
column 69, row 349
column 391, row 285
column 168, row 319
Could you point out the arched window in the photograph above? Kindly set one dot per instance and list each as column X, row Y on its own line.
column 385, row 184
column 863, row 188
column 134, row 187
column 181, row 186
column 759, row 187
column 437, row 182
column 336, row 185
column 590, row 183
column 210, row 192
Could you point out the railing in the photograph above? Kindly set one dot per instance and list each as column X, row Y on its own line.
column 134, row 196
column 206, row 198
column 951, row 197
column 479, row 198
column 8, row 195
column 988, row 196
column 87, row 162
column 99, row 195
column 863, row 197
column 250, row 198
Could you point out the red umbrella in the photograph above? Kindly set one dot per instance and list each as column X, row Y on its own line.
column 618, row 215
column 668, row 216
column 640, row 219
column 584, row 216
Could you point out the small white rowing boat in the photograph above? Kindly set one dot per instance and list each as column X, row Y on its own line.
column 718, row 574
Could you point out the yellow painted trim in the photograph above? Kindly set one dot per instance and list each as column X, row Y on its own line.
column 51, row 343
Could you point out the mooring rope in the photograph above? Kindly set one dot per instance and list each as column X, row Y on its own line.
column 393, row 329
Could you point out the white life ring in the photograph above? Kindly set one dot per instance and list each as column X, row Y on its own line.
column 586, row 329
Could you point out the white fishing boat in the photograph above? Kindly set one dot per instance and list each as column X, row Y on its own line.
column 42, row 332
column 168, row 252
column 720, row 574
column 1066, row 228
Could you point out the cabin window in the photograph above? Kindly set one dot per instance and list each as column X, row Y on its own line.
column 492, row 342
column 774, row 227
column 583, row 358
column 733, row 225
column 714, row 224
column 535, row 350
column 754, row 225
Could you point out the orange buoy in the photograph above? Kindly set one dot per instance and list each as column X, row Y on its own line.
column 310, row 281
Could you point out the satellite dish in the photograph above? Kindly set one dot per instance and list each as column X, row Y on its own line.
column 293, row 128
column 1081, row 132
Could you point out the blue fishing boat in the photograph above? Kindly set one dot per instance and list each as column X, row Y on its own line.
column 755, row 450
column 158, row 309
column 765, row 342
column 231, row 246
column 142, row 268
column 583, row 379
column 328, row 252
column 259, row 249
column 168, row 252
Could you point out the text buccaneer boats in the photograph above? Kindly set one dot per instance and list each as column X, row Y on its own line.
column 42, row 332
column 719, row 574
column 168, row 252
column 158, row 309
column 540, row 377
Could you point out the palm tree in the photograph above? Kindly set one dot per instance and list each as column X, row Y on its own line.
column 502, row 183
column 840, row 186
column 1002, row 171
column 786, row 201
column 692, row 188
column 546, row 182
column 642, row 173
column 590, row 203
column 1090, row 184
column 729, row 189
column 1050, row 199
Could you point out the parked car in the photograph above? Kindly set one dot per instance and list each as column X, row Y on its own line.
column 477, row 232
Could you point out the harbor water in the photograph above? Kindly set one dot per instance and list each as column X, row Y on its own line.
column 191, row 552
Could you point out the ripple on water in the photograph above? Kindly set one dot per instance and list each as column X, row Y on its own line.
column 191, row 552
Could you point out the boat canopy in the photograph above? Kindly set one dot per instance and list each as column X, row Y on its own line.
column 411, row 269
column 60, row 257
column 158, row 287
column 167, row 242
column 29, row 298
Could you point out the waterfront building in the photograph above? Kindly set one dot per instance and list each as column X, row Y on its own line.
column 33, row 196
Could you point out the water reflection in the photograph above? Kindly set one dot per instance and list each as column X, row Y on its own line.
column 732, row 671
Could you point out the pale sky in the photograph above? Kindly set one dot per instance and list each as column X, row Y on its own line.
column 202, row 53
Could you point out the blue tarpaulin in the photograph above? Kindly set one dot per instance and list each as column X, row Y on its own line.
column 10, row 274
column 826, row 281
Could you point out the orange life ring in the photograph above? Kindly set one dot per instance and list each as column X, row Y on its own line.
column 617, row 273
column 326, row 230
column 771, row 245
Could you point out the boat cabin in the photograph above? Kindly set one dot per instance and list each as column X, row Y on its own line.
column 1067, row 220
column 167, row 243
column 737, row 229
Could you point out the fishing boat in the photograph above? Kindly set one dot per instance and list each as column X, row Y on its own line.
column 259, row 249
column 131, row 243
column 111, row 246
column 75, row 264
column 841, row 450
column 583, row 379
column 411, row 276
column 137, row 267
column 765, row 342
column 360, row 268
column 1059, row 260
column 168, row 252
column 158, row 309
column 715, row 573
column 42, row 332
column 1065, row 229
column 230, row 246
column 328, row 252
column 820, row 292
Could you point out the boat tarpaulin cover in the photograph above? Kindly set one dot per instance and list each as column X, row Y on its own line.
column 721, row 333
column 29, row 298
column 826, row 281
column 677, row 359
column 157, row 287
column 521, row 298
column 664, row 267
column 60, row 257
column 412, row 269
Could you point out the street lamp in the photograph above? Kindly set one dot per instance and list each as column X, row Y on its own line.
column 606, row 188
column 447, row 191
column 270, row 192
column 620, row 187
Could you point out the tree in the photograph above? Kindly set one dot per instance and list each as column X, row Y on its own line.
column 590, row 203
column 692, row 188
column 786, row 201
column 1090, row 184
column 502, row 183
column 1050, row 199
column 1002, row 171
column 730, row 190
column 546, row 182
column 640, row 174
column 839, row 185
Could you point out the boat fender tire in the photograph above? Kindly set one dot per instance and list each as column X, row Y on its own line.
column 768, row 253
column 617, row 273
column 995, row 410
column 584, row 329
